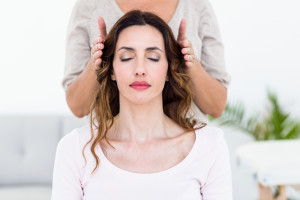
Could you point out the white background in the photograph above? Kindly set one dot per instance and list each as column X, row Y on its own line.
column 261, row 38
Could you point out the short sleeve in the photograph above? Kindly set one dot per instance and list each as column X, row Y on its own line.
column 77, row 53
column 66, row 183
column 212, row 52
column 218, row 184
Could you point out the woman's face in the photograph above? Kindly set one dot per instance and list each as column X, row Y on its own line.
column 140, row 64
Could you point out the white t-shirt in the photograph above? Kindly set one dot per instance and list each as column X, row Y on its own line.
column 204, row 174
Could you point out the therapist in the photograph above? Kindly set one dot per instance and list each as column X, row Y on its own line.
column 192, row 21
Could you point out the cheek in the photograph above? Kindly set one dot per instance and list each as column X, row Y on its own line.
column 121, row 73
column 161, row 71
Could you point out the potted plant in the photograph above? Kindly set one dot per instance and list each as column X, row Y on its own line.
column 273, row 124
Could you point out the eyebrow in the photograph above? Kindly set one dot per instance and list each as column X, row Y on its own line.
column 147, row 49
column 153, row 48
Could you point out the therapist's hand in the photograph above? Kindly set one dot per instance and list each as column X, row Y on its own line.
column 187, row 49
column 96, row 51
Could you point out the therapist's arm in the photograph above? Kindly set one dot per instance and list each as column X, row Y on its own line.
column 209, row 94
column 80, row 93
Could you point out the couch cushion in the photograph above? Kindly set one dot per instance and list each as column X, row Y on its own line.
column 26, row 192
column 27, row 148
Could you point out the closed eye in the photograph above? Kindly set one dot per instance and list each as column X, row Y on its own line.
column 125, row 59
column 154, row 59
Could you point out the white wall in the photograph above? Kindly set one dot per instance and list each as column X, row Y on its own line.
column 32, row 56
column 261, row 37
column 262, row 50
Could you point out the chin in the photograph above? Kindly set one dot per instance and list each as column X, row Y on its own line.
column 142, row 99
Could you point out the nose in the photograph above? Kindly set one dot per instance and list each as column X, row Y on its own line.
column 140, row 68
column 140, row 73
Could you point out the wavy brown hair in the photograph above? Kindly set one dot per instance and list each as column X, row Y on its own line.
column 177, row 95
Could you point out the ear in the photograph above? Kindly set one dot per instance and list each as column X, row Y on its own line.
column 113, row 76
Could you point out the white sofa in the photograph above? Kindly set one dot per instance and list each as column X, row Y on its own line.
column 27, row 152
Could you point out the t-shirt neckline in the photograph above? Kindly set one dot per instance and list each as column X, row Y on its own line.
column 172, row 170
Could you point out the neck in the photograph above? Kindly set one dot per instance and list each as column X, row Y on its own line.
column 140, row 123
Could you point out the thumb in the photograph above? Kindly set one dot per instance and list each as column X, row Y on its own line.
column 182, row 30
column 102, row 27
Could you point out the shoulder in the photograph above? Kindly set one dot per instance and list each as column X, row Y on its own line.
column 211, row 137
column 210, row 132
column 75, row 138
column 198, row 11
column 201, row 10
column 211, row 147
column 83, row 9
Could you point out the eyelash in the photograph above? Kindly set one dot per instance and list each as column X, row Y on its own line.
column 127, row 59
column 154, row 59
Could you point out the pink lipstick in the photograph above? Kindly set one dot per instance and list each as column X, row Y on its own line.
column 140, row 85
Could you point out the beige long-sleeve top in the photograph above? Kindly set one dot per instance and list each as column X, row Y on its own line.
column 202, row 31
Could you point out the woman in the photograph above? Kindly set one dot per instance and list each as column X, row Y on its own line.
column 141, row 143
column 204, row 59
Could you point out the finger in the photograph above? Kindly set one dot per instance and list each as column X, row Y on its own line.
column 190, row 58
column 186, row 43
column 186, row 51
column 182, row 30
column 96, row 47
column 93, row 50
column 102, row 27
column 95, row 42
column 189, row 64
column 100, row 39
column 100, row 46
column 98, row 62
column 97, row 54
column 93, row 46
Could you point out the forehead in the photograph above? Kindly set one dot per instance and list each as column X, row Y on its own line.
column 140, row 37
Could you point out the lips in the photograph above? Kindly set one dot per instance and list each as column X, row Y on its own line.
column 140, row 85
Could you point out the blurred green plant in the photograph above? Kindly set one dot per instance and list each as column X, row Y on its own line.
column 274, row 124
